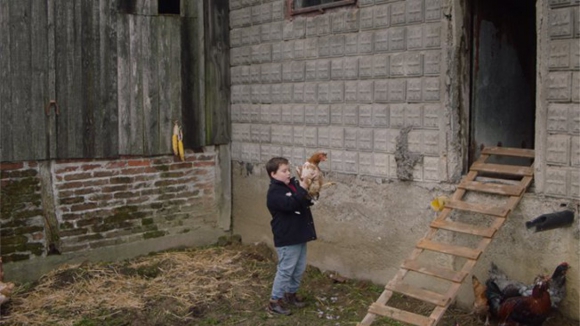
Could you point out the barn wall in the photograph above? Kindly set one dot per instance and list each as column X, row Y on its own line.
column 85, row 208
column 558, row 115
column 383, row 87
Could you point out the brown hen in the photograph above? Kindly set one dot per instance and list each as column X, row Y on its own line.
column 311, row 175
column 480, row 306
column 520, row 311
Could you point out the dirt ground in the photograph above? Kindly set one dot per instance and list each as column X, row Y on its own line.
column 218, row 285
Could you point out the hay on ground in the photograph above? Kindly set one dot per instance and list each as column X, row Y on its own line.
column 190, row 278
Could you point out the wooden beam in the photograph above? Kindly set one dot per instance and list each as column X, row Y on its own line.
column 492, row 188
column 464, row 228
column 418, row 293
column 477, row 208
column 400, row 315
column 443, row 273
column 502, row 169
column 449, row 249
column 507, row 151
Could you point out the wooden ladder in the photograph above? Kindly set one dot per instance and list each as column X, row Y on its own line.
column 513, row 189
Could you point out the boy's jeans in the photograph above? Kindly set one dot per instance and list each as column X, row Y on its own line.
column 291, row 266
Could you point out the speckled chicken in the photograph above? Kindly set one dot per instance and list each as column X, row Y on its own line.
column 511, row 288
column 530, row 310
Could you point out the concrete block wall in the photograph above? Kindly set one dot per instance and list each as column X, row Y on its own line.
column 353, row 79
column 562, row 126
column 346, row 81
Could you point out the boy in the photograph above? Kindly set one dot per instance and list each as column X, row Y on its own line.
column 292, row 226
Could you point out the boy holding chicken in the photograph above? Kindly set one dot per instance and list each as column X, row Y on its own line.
column 292, row 226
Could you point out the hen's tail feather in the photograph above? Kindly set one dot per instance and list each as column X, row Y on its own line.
column 495, row 273
column 494, row 296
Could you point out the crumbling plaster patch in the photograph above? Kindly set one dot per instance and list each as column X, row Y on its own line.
column 406, row 161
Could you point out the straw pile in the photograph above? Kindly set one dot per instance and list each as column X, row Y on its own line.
column 187, row 280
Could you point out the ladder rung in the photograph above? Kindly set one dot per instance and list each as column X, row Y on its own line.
column 419, row 294
column 444, row 273
column 502, row 169
column 449, row 249
column 492, row 188
column 437, row 314
column 464, row 228
column 477, row 208
column 400, row 315
column 509, row 151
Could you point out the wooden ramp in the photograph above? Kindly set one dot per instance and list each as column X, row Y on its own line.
column 501, row 184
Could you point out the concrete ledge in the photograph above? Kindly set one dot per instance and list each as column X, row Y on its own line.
column 31, row 270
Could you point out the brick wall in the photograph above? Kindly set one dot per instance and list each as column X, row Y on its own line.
column 21, row 215
column 347, row 81
column 101, row 203
column 562, row 151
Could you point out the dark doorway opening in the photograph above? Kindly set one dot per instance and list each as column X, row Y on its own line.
column 170, row 7
column 503, row 76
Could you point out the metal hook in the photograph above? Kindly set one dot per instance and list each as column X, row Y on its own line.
column 49, row 105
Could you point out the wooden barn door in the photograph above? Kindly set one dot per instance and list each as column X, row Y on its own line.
column 149, row 77
column 24, row 80
column 103, row 78
column 85, row 68
column 58, row 95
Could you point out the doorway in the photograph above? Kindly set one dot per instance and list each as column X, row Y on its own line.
column 503, row 76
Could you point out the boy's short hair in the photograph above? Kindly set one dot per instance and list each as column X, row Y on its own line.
column 274, row 163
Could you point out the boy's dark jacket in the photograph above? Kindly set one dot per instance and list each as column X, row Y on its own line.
column 292, row 221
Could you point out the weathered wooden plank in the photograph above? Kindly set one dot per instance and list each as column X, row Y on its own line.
column 217, row 72
column 189, row 8
column 166, row 121
column 74, row 114
column 444, row 273
column 123, row 81
column 6, row 140
column 99, row 56
column 449, row 249
column 169, row 78
column 509, row 151
column 147, row 7
column 418, row 293
column 383, row 298
column 37, row 121
column 477, row 208
column 437, row 314
column 191, row 83
column 150, row 87
column 400, row 315
column 503, row 169
column 109, row 136
column 90, row 90
column 134, row 122
column 464, row 228
column 191, row 54
column 492, row 188
column 69, row 80
column 51, row 150
column 20, row 51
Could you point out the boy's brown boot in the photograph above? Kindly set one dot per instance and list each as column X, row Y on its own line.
column 295, row 300
column 277, row 307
